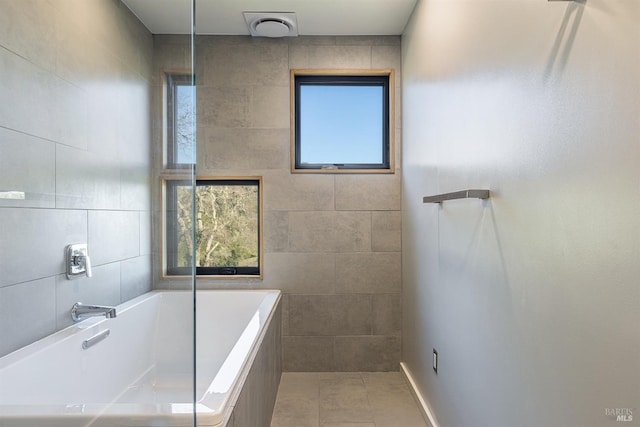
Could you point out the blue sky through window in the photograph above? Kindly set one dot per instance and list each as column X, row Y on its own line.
column 341, row 124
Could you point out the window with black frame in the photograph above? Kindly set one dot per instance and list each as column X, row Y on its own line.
column 342, row 122
column 227, row 227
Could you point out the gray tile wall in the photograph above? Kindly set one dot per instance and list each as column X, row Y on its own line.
column 74, row 138
column 332, row 242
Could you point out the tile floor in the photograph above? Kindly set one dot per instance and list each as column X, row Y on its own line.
column 353, row 399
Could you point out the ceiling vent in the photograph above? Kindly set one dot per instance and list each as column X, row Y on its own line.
column 271, row 24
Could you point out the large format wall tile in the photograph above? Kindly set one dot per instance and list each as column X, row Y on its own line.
column 301, row 272
column 329, row 231
column 319, row 315
column 372, row 41
column 135, row 277
column 134, row 186
column 368, row 192
column 228, row 148
column 27, row 29
column 353, row 231
column 270, row 107
column 312, row 231
column 375, row 272
column 27, row 166
column 323, row 56
column 74, row 137
column 35, row 88
column 245, row 64
column 33, row 241
column 386, row 231
column 312, row 354
column 175, row 52
column 85, row 180
column 134, row 144
column 314, row 40
column 145, row 233
column 224, row 106
column 331, row 241
column 71, row 116
column 133, row 43
column 386, row 314
column 20, row 326
column 113, row 236
column 103, row 127
column 276, row 231
column 367, row 353
column 79, row 56
column 387, row 57
column 284, row 191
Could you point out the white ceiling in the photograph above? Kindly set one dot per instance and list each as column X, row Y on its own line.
column 315, row 17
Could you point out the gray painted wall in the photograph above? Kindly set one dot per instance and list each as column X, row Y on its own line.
column 530, row 298
column 332, row 242
column 74, row 137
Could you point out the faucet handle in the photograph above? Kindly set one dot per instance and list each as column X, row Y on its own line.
column 77, row 261
column 87, row 265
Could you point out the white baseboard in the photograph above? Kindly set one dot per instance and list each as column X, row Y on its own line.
column 427, row 413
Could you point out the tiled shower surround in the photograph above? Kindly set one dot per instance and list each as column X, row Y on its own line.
column 74, row 138
column 332, row 241
column 80, row 131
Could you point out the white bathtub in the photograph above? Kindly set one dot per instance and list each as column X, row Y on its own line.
column 141, row 374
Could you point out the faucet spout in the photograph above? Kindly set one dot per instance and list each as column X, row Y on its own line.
column 81, row 311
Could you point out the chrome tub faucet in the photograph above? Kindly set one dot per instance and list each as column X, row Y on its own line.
column 81, row 311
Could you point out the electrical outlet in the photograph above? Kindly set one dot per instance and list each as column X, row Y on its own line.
column 435, row 361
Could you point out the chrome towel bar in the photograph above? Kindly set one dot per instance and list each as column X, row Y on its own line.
column 464, row 194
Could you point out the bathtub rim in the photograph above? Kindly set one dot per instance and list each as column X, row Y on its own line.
column 275, row 295
column 67, row 333
column 107, row 411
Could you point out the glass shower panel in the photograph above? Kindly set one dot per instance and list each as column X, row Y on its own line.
column 93, row 329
